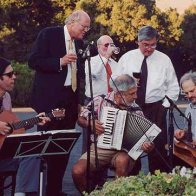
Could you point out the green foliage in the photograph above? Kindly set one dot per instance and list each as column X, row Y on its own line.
column 159, row 184
column 22, row 19
column 188, row 41
column 22, row 91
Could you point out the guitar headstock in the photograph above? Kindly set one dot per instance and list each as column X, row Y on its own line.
column 58, row 113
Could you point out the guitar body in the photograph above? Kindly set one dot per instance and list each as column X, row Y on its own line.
column 9, row 117
column 185, row 151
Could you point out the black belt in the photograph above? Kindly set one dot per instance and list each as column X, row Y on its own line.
column 148, row 104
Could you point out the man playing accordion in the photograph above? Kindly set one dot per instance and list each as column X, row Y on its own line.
column 123, row 97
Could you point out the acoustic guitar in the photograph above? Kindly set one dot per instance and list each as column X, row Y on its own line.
column 18, row 127
column 185, row 151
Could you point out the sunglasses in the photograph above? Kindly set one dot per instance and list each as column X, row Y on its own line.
column 107, row 44
column 9, row 74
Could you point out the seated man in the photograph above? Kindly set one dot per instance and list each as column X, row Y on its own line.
column 123, row 98
column 188, row 85
column 28, row 180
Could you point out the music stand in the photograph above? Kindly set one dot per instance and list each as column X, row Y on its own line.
column 45, row 143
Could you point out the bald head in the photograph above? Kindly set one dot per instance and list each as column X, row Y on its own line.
column 78, row 23
column 103, row 39
column 102, row 44
column 76, row 16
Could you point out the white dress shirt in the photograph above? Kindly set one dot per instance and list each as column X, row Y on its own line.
column 161, row 79
column 99, row 75
column 67, row 44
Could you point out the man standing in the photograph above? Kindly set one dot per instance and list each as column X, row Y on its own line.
column 158, row 78
column 188, row 85
column 57, row 81
column 102, row 67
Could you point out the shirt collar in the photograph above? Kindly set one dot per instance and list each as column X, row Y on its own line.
column 66, row 33
column 193, row 106
column 109, row 60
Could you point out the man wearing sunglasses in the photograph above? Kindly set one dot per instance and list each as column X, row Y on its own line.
column 24, row 184
column 158, row 79
column 102, row 66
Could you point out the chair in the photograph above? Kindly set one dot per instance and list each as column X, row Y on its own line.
column 12, row 184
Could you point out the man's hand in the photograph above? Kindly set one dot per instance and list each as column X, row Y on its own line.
column 109, row 51
column 4, row 128
column 67, row 59
column 99, row 129
column 147, row 147
column 194, row 143
column 179, row 134
column 43, row 118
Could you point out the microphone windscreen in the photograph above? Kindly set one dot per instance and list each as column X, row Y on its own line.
column 93, row 48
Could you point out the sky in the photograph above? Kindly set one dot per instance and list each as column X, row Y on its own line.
column 180, row 5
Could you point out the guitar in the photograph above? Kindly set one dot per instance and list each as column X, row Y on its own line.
column 18, row 127
column 185, row 151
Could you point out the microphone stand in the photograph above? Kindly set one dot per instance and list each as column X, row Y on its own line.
column 189, row 132
column 171, row 135
column 91, row 114
column 171, row 127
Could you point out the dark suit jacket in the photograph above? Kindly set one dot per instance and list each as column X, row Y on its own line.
column 48, row 88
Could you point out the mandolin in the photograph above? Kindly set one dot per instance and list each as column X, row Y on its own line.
column 18, row 126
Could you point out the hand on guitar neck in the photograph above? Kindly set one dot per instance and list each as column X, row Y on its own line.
column 43, row 118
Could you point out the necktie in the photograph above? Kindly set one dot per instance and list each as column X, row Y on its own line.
column 73, row 69
column 142, row 83
column 108, row 73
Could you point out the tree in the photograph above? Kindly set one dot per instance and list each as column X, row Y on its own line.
column 188, row 41
column 23, row 19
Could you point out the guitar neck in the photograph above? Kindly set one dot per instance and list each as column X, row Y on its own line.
column 28, row 123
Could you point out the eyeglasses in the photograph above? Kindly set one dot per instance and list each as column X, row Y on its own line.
column 86, row 28
column 9, row 74
column 146, row 46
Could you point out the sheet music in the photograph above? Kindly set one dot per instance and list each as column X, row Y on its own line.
column 39, row 133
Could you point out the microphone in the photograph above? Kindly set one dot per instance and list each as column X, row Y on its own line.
column 172, row 103
column 86, row 53
column 176, row 107
column 170, row 100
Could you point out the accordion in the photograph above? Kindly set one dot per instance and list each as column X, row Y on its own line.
column 125, row 130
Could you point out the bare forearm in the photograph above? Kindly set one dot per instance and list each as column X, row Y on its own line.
column 83, row 122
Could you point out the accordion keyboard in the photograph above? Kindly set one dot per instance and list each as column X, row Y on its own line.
column 114, row 128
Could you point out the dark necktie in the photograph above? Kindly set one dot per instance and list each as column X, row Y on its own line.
column 142, row 83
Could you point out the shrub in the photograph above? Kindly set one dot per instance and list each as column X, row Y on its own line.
column 22, row 90
column 179, row 183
